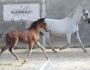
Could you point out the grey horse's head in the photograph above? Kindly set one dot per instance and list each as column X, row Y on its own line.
column 86, row 15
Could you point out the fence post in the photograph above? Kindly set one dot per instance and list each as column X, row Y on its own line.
column 43, row 14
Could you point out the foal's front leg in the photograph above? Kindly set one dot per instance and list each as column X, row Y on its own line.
column 42, row 48
column 30, row 48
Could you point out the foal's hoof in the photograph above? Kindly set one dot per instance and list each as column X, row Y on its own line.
column 23, row 62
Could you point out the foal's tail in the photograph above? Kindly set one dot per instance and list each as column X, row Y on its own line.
column 7, row 43
column 1, row 35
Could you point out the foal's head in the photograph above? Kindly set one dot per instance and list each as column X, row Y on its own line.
column 43, row 24
column 40, row 23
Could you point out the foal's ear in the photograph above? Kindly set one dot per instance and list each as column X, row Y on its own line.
column 42, row 19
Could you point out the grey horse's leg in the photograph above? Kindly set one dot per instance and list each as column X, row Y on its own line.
column 50, row 45
column 43, row 41
column 48, row 41
column 45, row 38
column 78, row 37
column 68, row 36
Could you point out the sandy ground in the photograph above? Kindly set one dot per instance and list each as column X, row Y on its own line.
column 68, row 59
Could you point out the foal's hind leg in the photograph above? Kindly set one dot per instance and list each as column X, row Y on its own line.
column 68, row 41
column 4, row 48
column 10, row 49
column 78, row 37
column 14, row 43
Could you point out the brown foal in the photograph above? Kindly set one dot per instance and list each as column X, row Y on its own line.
column 30, row 36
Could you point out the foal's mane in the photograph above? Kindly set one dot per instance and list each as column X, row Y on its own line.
column 34, row 25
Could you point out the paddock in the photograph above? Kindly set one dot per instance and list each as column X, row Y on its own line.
column 72, row 58
column 68, row 59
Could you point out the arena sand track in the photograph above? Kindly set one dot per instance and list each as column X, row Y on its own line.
column 68, row 59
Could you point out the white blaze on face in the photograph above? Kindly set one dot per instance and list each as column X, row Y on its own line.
column 84, row 17
column 86, row 11
column 86, row 14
